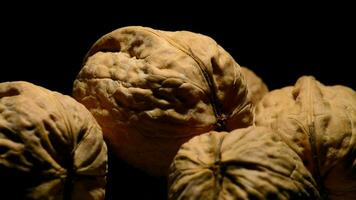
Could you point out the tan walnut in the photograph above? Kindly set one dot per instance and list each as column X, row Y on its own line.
column 319, row 123
column 51, row 147
column 249, row 163
column 255, row 85
column 152, row 90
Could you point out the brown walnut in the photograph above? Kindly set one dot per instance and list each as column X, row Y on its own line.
column 249, row 163
column 153, row 90
column 50, row 146
column 319, row 123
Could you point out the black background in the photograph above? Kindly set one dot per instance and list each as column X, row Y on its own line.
column 45, row 45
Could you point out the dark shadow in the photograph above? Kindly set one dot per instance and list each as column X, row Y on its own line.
column 127, row 182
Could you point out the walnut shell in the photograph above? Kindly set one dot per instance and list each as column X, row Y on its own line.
column 250, row 163
column 152, row 90
column 255, row 85
column 319, row 123
column 50, row 146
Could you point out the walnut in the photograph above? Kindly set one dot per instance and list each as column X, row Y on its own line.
column 249, row 163
column 255, row 85
column 50, row 146
column 319, row 123
column 153, row 90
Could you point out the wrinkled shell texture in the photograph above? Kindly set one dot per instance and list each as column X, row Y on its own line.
column 50, row 146
column 318, row 122
column 153, row 90
column 250, row 163
column 255, row 85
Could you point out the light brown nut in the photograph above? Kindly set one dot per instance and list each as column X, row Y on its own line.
column 318, row 122
column 50, row 146
column 152, row 90
column 255, row 85
column 250, row 163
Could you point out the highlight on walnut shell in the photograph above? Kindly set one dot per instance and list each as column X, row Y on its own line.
column 50, row 146
column 152, row 90
column 319, row 123
column 255, row 85
column 249, row 163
